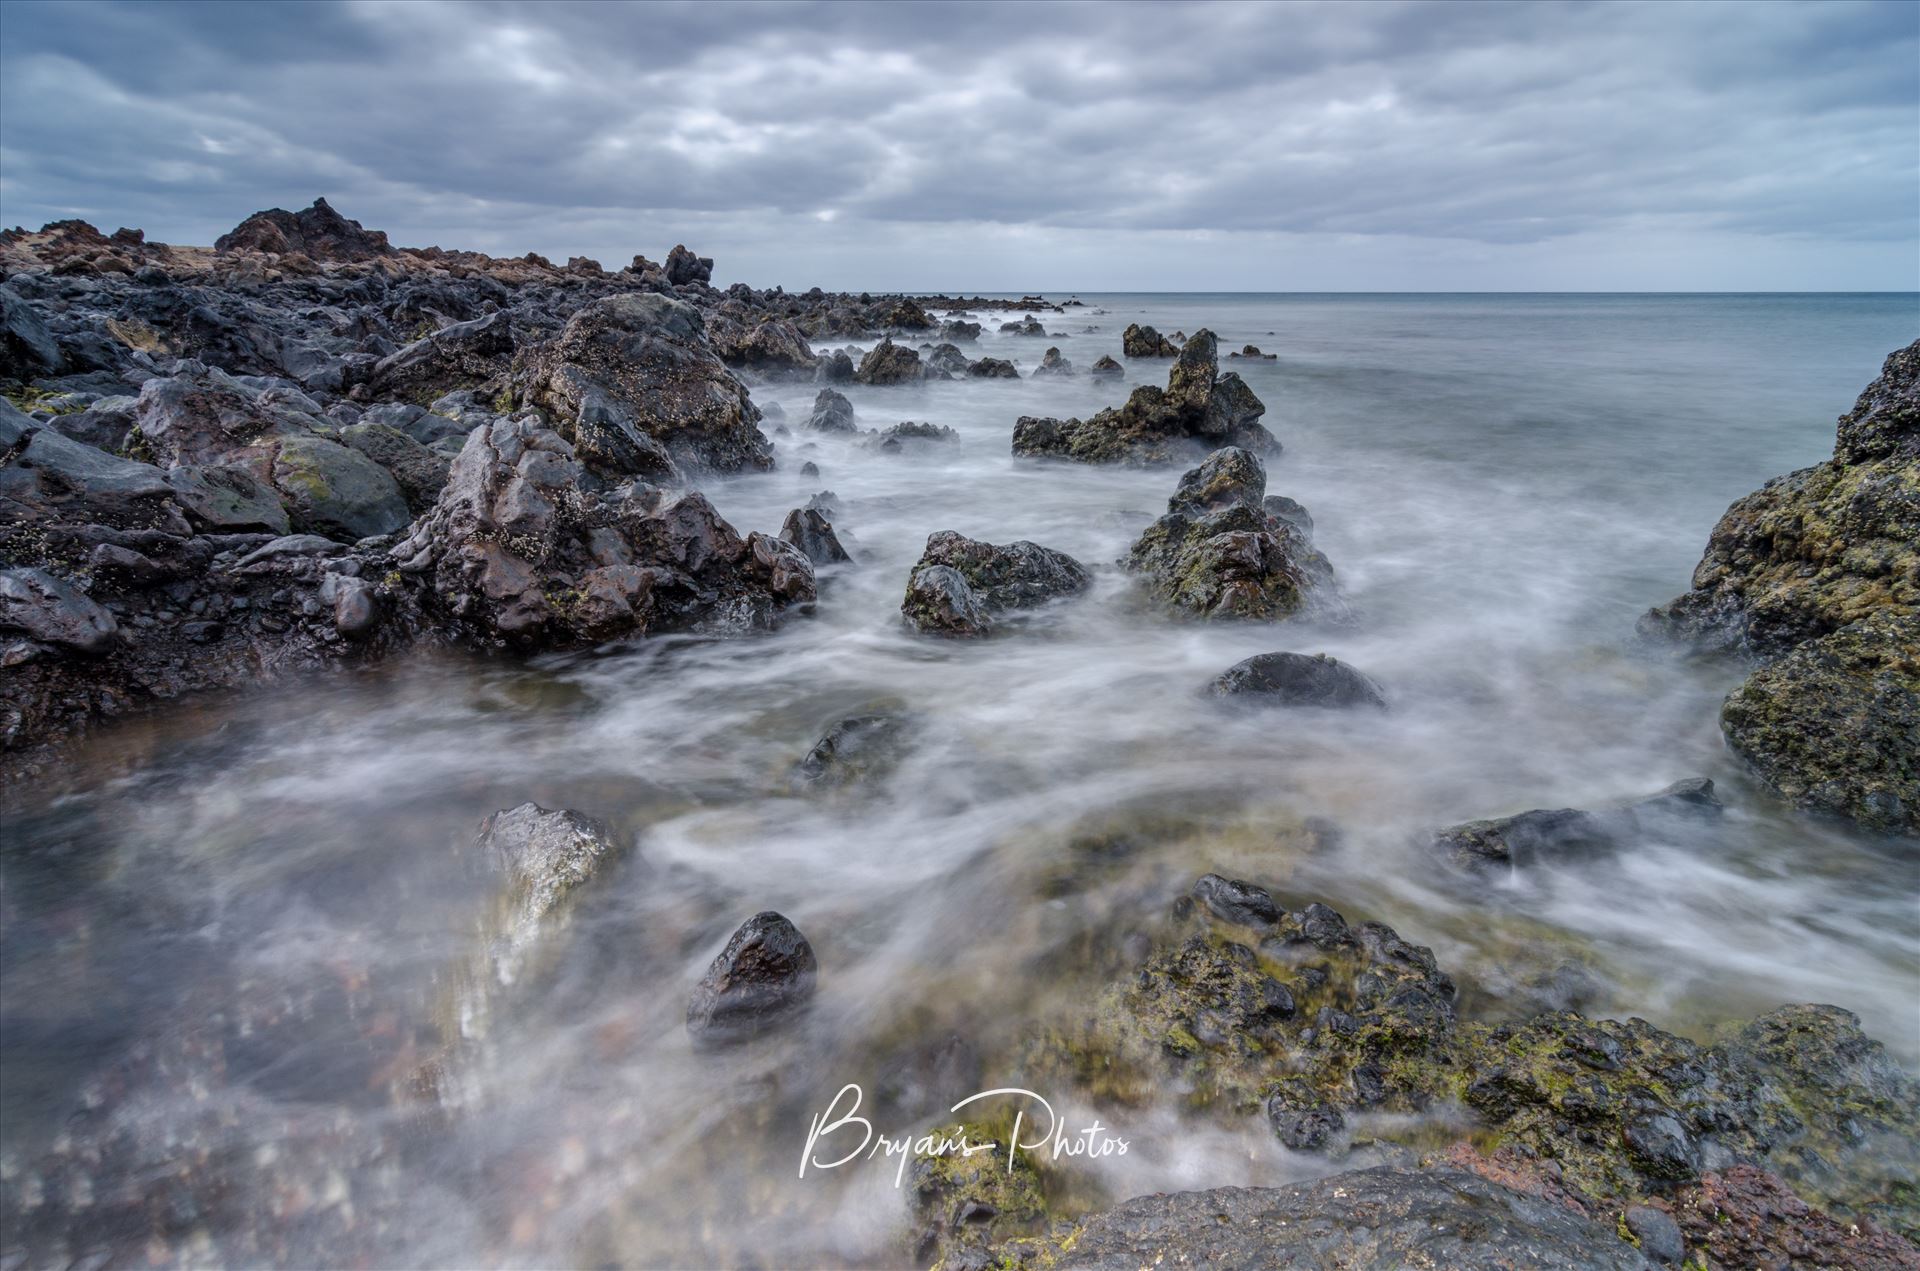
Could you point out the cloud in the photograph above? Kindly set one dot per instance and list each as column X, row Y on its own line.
column 563, row 128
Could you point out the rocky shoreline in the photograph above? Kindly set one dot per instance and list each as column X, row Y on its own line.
column 306, row 449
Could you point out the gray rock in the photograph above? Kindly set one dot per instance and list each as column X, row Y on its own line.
column 545, row 856
column 228, row 499
column 419, row 472
column 1365, row 1218
column 27, row 348
column 1295, row 679
column 855, row 750
column 832, row 412
column 765, row 976
column 1571, row 833
column 890, row 363
column 939, row 602
column 35, row 604
column 811, row 532
column 332, row 490
column 960, row 584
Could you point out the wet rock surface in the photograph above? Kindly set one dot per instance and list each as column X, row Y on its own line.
column 1818, row 573
column 961, row 586
column 1370, row 1218
column 765, row 977
column 1199, row 410
column 1834, row 725
column 1561, row 834
column 1296, row 679
column 1219, row 555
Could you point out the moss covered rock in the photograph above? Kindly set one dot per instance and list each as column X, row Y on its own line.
column 1835, row 725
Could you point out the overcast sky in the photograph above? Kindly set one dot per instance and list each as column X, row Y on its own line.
column 1079, row 147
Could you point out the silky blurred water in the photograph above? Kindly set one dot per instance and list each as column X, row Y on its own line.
column 1502, row 483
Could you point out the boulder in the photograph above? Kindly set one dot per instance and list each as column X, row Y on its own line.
column 832, row 412
column 1106, row 368
column 961, row 585
column 49, row 479
column 419, row 471
column 947, row 358
column 38, row 606
column 1834, row 726
column 460, row 355
column 1217, row 553
column 684, row 267
column 202, row 415
column 223, row 498
column 890, row 363
column 1561, row 834
column 28, row 350
column 525, row 547
column 811, row 532
column 992, row 368
column 1295, row 679
column 632, row 376
column 834, row 368
column 331, row 490
column 1251, row 352
column 1199, row 410
column 1028, row 327
column 958, row 329
column 1053, row 364
column 545, row 857
column 765, row 976
column 318, row 233
column 1139, row 341
column 769, row 345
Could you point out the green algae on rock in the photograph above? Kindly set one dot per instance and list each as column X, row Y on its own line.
column 1835, row 725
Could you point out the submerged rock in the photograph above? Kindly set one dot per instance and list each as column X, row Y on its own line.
column 1834, row 726
column 855, row 750
column 1366, row 1218
column 1198, row 411
column 961, row 585
column 764, row 977
column 1296, row 679
column 1570, row 834
column 544, row 857
column 1218, row 554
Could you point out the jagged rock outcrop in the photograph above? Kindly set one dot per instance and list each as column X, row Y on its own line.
column 1140, row 341
column 317, row 232
column 1820, row 569
column 470, row 354
column 1218, row 554
column 1198, row 410
column 632, row 378
column 992, row 368
column 525, row 547
column 1105, row 368
column 1815, row 550
column 832, row 412
column 961, row 586
column 1053, row 364
column 684, row 267
column 766, row 344
column 890, row 363
column 809, row 530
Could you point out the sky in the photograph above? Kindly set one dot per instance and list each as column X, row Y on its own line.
column 980, row 147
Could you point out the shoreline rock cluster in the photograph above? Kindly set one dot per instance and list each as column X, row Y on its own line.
column 307, row 447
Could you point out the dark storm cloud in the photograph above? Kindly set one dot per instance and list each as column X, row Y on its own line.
column 1502, row 125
